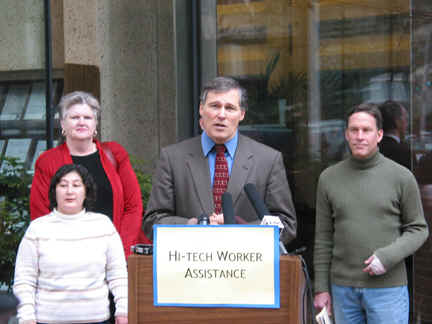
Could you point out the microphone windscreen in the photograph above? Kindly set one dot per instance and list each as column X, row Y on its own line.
column 228, row 208
column 203, row 219
column 256, row 201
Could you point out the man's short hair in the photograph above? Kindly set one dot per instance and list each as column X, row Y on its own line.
column 369, row 108
column 391, row 111
column 224, row 84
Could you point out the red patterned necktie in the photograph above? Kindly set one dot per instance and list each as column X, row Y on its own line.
column 221, row 177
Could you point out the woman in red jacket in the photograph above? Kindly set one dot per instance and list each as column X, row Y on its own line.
column 119, row 194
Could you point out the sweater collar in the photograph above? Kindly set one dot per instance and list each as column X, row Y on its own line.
column 76, row 216
column 367, row 163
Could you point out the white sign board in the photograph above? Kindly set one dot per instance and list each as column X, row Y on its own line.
column 216, row 266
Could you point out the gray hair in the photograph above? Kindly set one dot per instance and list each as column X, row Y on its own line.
column 79, row 98
column 224, row 84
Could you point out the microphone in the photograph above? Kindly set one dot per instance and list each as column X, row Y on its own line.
column 256, row 201
column 203, row 219
column 263, row 212
column 227, row 208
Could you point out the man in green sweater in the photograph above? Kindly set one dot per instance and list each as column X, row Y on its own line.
column 369, row 219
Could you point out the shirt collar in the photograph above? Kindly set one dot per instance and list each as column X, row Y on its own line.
column 207, row 144
column 396, row 138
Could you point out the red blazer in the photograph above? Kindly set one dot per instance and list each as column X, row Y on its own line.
column 127, row 202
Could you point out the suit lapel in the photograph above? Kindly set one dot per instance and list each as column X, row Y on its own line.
column 240, row 170
column 197, row 165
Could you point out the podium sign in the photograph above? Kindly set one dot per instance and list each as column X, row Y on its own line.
column 216, row 266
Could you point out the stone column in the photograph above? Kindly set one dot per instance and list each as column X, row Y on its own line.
column 132, row 44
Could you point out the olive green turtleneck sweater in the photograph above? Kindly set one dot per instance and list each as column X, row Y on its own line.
column 366, row 207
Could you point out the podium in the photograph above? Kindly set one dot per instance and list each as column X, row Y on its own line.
column 142, row 310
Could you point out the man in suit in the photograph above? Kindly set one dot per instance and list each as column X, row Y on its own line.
column 395, row 123
column 183, row 183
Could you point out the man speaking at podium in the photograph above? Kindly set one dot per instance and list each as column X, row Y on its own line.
column 192, row 175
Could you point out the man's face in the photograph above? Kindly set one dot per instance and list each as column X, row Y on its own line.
column 363, row 135
column 221, row 115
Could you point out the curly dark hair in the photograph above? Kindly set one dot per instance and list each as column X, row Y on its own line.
column 87, row 179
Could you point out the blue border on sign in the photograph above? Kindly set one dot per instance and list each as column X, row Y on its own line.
column 276, row 271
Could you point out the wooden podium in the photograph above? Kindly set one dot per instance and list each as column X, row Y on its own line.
column 142, row 310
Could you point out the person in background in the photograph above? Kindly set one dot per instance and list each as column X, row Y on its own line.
column 192, row 175
column 394, row 147
column 369, row 218
column 69, row 259
column 395, row 124
column 119, row 193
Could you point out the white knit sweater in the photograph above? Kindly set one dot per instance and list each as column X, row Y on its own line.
column 64, row 267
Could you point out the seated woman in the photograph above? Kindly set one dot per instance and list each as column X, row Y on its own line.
column 68, row 260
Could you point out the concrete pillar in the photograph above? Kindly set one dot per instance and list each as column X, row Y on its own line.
column 133, row 45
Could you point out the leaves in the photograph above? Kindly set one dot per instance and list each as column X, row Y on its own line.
column 144, row 179
column 14, row 213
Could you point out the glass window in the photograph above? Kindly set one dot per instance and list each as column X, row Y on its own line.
column 36, row 105
column 23, row 118
column 421, row 139
column 304, row 64
column 14, row 105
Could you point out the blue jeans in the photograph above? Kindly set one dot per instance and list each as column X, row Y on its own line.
column 370, row 305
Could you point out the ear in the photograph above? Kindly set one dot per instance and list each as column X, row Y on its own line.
column 201, row 108
column 242, row 114
column 380, row 135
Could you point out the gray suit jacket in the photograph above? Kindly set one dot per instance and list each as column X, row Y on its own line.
column 182, row 186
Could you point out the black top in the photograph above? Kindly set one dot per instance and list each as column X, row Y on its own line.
column 104, row 196
column 398, row 152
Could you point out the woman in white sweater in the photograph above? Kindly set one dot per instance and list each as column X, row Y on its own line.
column 69, row 259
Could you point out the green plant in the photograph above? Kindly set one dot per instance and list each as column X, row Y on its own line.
column 14, row 214
column 144, row 179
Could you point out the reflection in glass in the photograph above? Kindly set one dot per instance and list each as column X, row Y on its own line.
column 304, row 65
column 36, row 104
column 22, row 117
column 422, row 146
column 18, row 148
column 15, row 103
column 40, row 147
